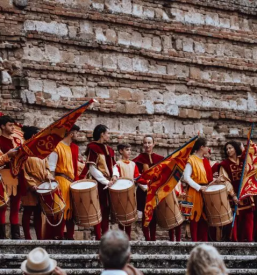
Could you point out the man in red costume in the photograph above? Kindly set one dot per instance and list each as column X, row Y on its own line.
column 8, row 142
column 230, row 173
column 144, row 161
column 99, row 166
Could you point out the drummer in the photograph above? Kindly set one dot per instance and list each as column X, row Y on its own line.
column 198, row 174
column 35, row 171
column 144, row 161
column 127, row 169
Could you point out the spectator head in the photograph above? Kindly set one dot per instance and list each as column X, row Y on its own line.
column 7, row 125
column 101, row 132
column 29, row 131
column 231, row 148
column 114, row 250
column 38, row 262
column 205, row 260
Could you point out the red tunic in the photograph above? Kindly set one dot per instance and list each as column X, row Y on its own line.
column 144, row 161
column 75, row 157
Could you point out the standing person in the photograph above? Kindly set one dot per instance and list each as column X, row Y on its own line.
column 144, row 161
column 127, row 169
column 35, row 172
column 99, row 166
column 198, row 174
column 61, row 166
column 230, row 173
column 8, row 142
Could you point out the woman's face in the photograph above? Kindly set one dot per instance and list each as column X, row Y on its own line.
column 148, row 145
column 231, row 152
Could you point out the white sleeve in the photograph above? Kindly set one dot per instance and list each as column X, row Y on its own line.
column 187, row 177
column 115, row 171
column 52, row 161
column 98, row 175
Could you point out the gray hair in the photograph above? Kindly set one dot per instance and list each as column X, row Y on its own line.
column 205, row 260
column 114, row 249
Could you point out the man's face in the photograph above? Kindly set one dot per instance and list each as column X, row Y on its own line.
column 105, row 136
column 148, row 145
column 74, row 135
column 8, row 128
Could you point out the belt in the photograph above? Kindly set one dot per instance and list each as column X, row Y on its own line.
column 64, row 176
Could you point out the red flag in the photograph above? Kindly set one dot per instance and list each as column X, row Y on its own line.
column 45, row 141
column 164, row 176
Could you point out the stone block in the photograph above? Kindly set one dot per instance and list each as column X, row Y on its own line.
column 234, row 131
column 172, row 109
column 124, row 94
column 145, row 127
column 102, row 92
column 149, row 106
column 33, row 53
column 125, row 63
column 110, row 62
column 64, row 91
column 35, row 85
column 128, row 125
column 154, row 96
column 79, row 235
column 190, row 129
column 195, row 73
column 207, row 130
column 199, row 47
column 86, row 30
column 111, row 36
column 126, row 6
column 157, row 44
column 136, row 39
column 182, row 71
column 131, row 107
column 188, row 45
column 137, row 10
column 79, row 91
column 147, row 42
column 20, row 3
column 100, row 35
column 148, row 12
column 94, row 59
column 140, row 65
column 212, row 19
column 124, row 38
column 169, row 126
column 114, row 5
column 5, row 78
column 49, row 86
column 194, row 18
column 52, row 53
column 157, row 127
column 178, row 14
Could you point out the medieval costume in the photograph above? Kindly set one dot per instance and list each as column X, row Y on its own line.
column 13, row 189
column 99, row 166
column 144, row 161
column 197, row 173
column 126, row 169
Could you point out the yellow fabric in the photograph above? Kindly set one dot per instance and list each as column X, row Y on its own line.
column 3, row 158
column 36, row 171
column 200, row 177
column 127, row 169
column 65, row 166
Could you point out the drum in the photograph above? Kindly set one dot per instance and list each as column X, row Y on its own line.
column 50, row 198
column 123, row 201
column 168, row 214
column 217, row 207
column 85, row 200
column 3, row 194
column 186, row 208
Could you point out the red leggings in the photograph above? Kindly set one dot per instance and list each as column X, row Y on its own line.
column 178, row 234
column 243, row 226
column 14, row 210
column 28, row 210
column 104, row 224
column 152, row 226
column 199, row 230
column 127, row 229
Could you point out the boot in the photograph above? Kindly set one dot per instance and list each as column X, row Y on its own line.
column 15, row 231
column 2, row 231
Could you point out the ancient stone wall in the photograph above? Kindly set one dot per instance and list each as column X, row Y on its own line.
column 167, row 68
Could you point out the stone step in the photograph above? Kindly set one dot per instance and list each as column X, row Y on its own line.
column 138, row 247
column 146, row 271
column 10, row 261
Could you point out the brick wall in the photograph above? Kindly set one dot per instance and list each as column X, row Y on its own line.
column 167, row 68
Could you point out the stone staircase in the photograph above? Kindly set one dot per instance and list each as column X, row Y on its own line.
column 161, row 257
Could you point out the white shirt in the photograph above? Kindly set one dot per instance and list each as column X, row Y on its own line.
column 187, row 177
column 114, row 272
column 97, row 174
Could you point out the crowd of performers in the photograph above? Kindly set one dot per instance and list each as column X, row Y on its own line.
column 63, row 166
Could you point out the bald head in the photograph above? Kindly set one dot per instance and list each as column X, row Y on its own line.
column 114, row 249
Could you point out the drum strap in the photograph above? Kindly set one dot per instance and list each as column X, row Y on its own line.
column 64, row 176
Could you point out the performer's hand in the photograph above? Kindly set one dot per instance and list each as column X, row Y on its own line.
column 110, row 183
column 203, row 188
column 50, row 177
column 216, row 175
column 114, row 179
column 235, row 199
column 34, row 188
column 215, row 181
column 12, row 153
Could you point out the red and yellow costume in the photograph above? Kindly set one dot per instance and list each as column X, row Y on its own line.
column 127, row 169
column 101, row 158
column 201, row 175
column 64, row 175
column 35, row 171
column 144, row 161
column 230, row 172
column 13, row 189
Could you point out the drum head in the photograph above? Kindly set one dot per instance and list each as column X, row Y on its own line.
column 82, row 185
column 47, row 187
column 122, row 184
column 214, row 188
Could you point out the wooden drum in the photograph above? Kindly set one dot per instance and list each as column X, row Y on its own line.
column 217, row 207
column 168, row 213
column 85, row 200
column 123, row 201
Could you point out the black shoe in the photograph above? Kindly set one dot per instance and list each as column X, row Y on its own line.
column 2, row 231
column 15, row 231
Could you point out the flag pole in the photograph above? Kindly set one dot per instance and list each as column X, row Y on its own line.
column 242, row 176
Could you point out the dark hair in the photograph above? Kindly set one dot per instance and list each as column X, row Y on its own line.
column 200, row 142
column 148, row 136
column 236, row 145
column 99, row 129
column 75, row 128
column 123, row 146
column 29, row 131
column 5, row 119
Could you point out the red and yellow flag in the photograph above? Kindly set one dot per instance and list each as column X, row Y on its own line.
column 164, row 176
column 45, row 141
column 249, row 176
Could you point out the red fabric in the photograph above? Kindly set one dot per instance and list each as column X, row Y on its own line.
column 127, row 229
column 208, row 169
column 27, row 212
column 75, row 157
column 199, row 230
column 7, row 144
column 103, row 226
column 177, row 231
column 150, row 235
column 136, row 172
column 14, row 208
column 216, row 167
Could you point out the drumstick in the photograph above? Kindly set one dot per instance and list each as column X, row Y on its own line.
column 106, row 187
